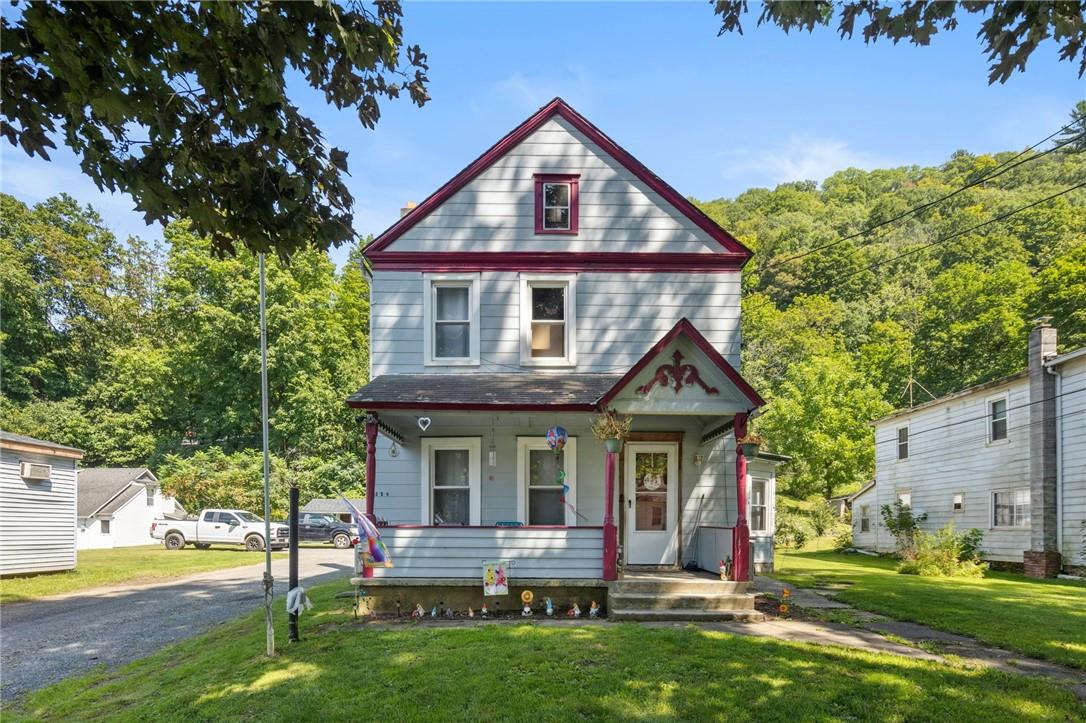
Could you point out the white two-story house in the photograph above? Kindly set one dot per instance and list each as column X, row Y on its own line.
column 553, row 278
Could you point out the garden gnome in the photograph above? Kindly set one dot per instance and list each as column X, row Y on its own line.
column 575, row 611
column 433, row 612
column 550, row 607
column 418, row 612
column 448, row 613
column 471, row 613
column 484, row 612
column 594, row 610
column 527, row 611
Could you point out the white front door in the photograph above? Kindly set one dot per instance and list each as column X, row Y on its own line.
column 652, row 503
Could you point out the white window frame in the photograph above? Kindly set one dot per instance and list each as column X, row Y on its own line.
column 1005, row 398
column 474, row 447
column 865, row 516
column 897, row 443
column 898, row 494
column 430, row 282
column 991, row 508
column 769, row 491
column 526, row 444
column 527, row 282
column 149, row 491
column 960, row 510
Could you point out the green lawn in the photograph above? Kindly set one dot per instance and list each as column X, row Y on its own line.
column 95, row 568
column 513, row 671
column 1041, row 618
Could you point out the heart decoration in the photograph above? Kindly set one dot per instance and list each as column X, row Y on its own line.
column 424, row 423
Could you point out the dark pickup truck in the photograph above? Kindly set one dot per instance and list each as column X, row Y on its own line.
column 314, row 527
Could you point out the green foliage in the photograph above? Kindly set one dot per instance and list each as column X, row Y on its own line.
column 791, row 531
column 944, row 554
column 1010, row 31
column 184, row 106
column 822, row 518
column 903, row 525
column 843, row 541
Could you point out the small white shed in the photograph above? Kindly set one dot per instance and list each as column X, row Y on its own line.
column 37, row 505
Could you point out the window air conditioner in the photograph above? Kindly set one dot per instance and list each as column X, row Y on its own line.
column 33, row 470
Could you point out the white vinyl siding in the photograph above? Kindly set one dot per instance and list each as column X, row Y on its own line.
column 37, row 517
column 1071, row 406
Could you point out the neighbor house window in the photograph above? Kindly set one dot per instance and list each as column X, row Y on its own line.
column 104, row 527
column 959, row 501
column 759, row 510
column 902, row 442
column 556, row 203
column 1010, row 508
column 450, row 480
column 905, row 497
column 997, row 419
column 542, row 475
column 150, row 496
column 865, row 518
column 548, row 320
column 451, row 315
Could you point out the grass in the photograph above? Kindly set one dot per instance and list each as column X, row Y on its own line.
column 1041, row 618
column 95, row 568
column 513, row 671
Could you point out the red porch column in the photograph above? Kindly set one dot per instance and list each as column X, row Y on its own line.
column 371, row 477
column 741, row 533
column 610, row 532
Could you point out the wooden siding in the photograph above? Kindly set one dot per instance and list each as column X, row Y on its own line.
column 459, row 552
column 496, row 210
column 619, row 317
column 37, row 518
column 956, row 457
column 1072, row 449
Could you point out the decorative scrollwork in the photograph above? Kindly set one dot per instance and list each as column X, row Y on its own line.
column 676, row 375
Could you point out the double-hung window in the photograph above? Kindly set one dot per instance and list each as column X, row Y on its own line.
column 758, row 507
column 997, row 419
column 548, row 310
column 902, row 442
column 865, row 518
column 542, row 478
column 905, row 497
column 1010, row 508
column 451, row 311
column 556, row 203
column 450, row 481
column 150, row 496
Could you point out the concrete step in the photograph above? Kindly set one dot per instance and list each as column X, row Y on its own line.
column 685, row 615
column 661, row 585
column 687, row 601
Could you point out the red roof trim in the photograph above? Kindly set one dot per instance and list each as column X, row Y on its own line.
column 594, row 134
column 556, row 261
column 685, row 327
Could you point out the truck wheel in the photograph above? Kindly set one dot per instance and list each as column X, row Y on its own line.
column 254, row 543
column 341, row 541
column 175, row 541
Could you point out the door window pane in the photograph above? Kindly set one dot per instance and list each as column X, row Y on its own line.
column 650, row 490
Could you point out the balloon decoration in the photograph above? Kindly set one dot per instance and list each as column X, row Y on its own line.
column 557, row 438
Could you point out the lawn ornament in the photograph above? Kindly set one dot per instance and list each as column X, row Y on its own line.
column 527, row 611
column 594, row 610
column 418, row 612
column 557, row 438
column 574, row 612
column 471, row 613
column 433, row 612
column 484, row 612
column 549, row 607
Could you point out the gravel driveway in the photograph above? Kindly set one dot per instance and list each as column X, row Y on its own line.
column 45, row 641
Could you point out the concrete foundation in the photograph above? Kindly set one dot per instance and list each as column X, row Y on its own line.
column 391, row 596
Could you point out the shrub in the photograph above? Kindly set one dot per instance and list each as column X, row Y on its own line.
column 903, row 525
column 942, row 554
column 822, row 518
column 843, row 541
column 971, row 541
column 790, row 530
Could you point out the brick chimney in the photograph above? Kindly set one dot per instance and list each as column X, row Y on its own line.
column 407, row 208
column 1043, row 557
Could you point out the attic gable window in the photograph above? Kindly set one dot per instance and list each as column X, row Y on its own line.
column 556, row 203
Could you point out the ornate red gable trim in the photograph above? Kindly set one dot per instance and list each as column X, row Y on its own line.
column 683, row 327
column 558, row 107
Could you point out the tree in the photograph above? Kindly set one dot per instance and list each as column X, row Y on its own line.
column 1010, row 32
column 1061, row 294
column 184, row 106
column 1075, row 135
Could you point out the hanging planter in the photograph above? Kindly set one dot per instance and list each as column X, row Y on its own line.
column 612, row 428
column 750, row 444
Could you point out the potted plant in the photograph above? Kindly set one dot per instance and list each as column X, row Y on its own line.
column 612, row 428
column 750, row 443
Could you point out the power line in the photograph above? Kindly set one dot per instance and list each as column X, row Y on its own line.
column 998, row 170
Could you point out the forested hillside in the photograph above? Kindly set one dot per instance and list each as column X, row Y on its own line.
column 142, row 355
column 837, row 321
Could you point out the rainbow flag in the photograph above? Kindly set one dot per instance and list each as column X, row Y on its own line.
column 378, row 553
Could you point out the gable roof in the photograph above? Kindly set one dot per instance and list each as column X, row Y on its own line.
column 23, row 443
column 104, row 490
column 558, row 107
column 685, row 328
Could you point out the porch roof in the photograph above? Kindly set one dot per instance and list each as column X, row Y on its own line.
column 520, row 391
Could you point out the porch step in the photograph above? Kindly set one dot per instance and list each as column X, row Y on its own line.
column 677, row 585
column 685, row 615
column 709, row 602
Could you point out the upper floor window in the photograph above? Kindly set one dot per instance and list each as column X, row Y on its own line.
column 451, row 317
column 548, row 320
column 556, row 203
column 903, row 443
column 150, row 496
column 997, row 419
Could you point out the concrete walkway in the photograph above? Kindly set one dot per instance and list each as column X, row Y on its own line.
column 968, row 650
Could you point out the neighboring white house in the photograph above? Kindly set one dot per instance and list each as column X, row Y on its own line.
column 118, row 504
column 865, row 515
column 1007, row 457
column 37, row 505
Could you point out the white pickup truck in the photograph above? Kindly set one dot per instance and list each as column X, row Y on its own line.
column 219, row 527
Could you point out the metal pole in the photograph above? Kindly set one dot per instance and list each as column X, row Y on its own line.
column 293, row 625
column 268, row 580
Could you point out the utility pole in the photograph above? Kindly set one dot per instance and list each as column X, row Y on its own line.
column 293, row 582
column 268, row 581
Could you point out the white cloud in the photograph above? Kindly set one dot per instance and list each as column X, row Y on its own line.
column 530, row 92
column 798, row 158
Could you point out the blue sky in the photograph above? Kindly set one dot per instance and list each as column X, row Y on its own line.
column 712, row 115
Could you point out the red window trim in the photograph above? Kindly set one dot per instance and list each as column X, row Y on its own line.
column 573, row 180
